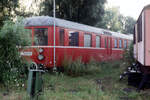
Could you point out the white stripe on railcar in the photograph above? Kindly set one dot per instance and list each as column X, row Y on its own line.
column 62, row 47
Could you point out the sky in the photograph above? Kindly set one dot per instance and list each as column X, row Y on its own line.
column 131, row 8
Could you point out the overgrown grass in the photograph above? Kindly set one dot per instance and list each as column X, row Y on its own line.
column 99, row 85
column 78, row 68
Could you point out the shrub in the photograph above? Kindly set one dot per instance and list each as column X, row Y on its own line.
column 128, row 55
column 12, row 35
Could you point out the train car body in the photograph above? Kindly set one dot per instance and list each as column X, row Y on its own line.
column 142, row 40
column 73, row 41
column 139, row 72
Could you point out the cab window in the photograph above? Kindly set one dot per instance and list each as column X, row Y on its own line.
column 41, row 36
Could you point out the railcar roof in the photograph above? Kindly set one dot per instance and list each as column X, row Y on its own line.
column 145, row 7
column 49, row 21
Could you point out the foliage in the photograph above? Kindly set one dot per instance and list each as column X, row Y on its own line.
column 129, row 25
column 73, row 68
column 9, row 9
column 111, row 19
column 115, row 21
column 128, row 55
column 103, row 85
column 12, row 36
column 78, row 68
column 83, row 11
column 6, row 9
column 92, row 66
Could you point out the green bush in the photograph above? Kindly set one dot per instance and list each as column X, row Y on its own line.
column 12, row 66
column 128, row 55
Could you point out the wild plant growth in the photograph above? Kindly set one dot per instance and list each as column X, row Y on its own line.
column 128, row 55
column 78, row 68
column 12, row 66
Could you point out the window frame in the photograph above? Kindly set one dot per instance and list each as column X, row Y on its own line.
column 90, row 39
column 36, row 28
column 60, row 38
column 134, row 36
column 105, row 42
column 99, row 44
column 76, row 39
column 116, row 43
column 125, row 44
column 139, row 28
column 120, row 43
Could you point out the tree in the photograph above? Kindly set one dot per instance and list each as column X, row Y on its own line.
column 111, row 19
column 114, row 21
column 6, row 9
column 129, row 25
column 82, row 11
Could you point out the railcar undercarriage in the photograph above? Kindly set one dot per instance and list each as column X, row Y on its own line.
column 138, row 76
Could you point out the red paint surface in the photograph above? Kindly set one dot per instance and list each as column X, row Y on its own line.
column 67, row 52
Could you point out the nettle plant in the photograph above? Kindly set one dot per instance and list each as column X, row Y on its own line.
column 12, row 66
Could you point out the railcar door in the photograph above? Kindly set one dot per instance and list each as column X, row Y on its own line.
column 109, row 46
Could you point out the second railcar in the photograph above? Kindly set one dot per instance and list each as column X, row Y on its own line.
column 140, row 71
column 142, row 41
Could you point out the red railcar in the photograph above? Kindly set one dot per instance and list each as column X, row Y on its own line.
column 73, row 40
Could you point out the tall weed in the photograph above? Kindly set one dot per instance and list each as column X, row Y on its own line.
column 78, row 67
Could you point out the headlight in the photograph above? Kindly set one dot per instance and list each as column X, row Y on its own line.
column 41, row 50
column 40, row 57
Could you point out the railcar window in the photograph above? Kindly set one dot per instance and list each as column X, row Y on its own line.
column 87, row 40
column 41, row 36
column 134, row 37
column 125, row 43
column 61, row 37
column 74, row 39
column 108, row 43
column 105, row 42
column 139, row 27
column 97, row 41
column 120, row 43
column 116, row 43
